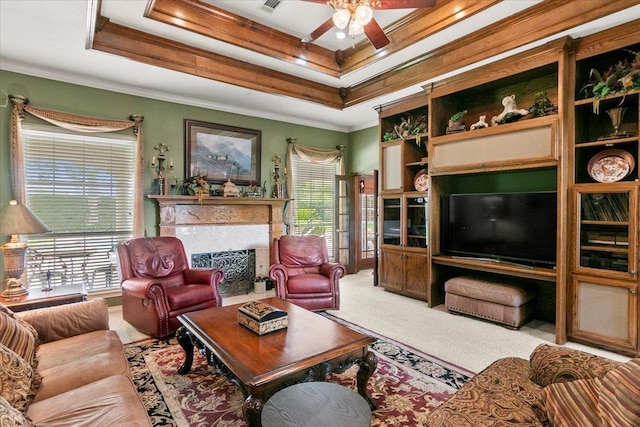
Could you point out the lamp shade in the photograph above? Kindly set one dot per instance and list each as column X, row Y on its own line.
column 341, row 18
column 355, row 28
column 18, row 219
column 363, row 14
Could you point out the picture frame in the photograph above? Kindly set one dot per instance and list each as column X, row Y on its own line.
column 220, row 152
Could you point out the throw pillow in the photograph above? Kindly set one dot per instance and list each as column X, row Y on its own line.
column 18, row 338
column 574, row 403
column 18, row 381
column 11, row 417
column 5, row 309
column 551, row 364
column 620, row 396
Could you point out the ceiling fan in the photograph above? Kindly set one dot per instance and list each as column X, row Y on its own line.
column 358, row 16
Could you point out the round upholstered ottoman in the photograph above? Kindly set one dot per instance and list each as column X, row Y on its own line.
column 316, row 404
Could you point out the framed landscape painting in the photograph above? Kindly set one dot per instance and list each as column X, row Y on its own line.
column 221, row 152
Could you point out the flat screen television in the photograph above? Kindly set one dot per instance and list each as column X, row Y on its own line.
column 517, row 228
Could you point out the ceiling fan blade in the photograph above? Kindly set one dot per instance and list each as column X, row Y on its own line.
column 376, row 35
column 326, row 26
column 405, row 4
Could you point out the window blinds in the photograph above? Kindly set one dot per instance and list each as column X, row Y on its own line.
column 314, row 198
column 80, row 186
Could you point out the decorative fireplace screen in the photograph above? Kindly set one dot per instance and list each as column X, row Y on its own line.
column 239, row 267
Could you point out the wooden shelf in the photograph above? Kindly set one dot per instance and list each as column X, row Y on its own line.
column 536, row 273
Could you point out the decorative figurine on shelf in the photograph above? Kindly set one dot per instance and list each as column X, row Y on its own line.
column 456, row 124
column 47, row 287
column 480, row 124
column 253, row 190
column 161, row 181
column 278, row 182
column 511, row 112
column 229, row 189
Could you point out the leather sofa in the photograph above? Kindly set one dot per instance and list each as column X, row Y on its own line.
column 77, row 375
column 303, row 274
column 557, row 386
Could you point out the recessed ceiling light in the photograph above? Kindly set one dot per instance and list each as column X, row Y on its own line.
column 340, row 35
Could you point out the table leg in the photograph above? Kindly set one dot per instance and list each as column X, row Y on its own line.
column 184, row 339
column 367, row 366
column 252, row 411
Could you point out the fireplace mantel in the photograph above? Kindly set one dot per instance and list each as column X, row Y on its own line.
column 187, row 210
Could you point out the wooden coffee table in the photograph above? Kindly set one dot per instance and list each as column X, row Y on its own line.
column 309, row 349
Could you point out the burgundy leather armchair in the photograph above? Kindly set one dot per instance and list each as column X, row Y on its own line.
column 158, row 285
column 303, row 274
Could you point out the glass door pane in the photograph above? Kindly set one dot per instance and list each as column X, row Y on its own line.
column 417, row 221
column 391, row 222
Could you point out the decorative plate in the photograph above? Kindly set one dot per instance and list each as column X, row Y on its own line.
column 611, row 165
column 421, row 180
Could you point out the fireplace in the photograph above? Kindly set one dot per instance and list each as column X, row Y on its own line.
column 239, row 269
column 222, row 229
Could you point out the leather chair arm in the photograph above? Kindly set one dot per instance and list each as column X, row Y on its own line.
column 278, row 272
column 332, row 270
column 206, row 276
column 203, row 276
column 140, row 287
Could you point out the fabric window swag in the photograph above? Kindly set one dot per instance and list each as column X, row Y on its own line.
column 75, row 123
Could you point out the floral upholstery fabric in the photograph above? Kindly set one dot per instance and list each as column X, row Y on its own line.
column 11, row 417
column 501, row 395
column 18, row 380
column 551, row 364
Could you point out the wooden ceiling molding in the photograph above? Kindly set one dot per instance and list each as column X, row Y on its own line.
column 540, row 21
column 153, row 50
column 219, row 24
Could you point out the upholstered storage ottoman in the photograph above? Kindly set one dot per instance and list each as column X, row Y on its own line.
column 502, row 301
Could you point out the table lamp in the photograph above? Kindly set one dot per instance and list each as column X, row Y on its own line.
column 16, row 219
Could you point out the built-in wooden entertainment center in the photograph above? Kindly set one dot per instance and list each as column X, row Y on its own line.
column 592, row 293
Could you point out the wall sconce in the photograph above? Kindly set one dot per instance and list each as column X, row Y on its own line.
column 161, row 181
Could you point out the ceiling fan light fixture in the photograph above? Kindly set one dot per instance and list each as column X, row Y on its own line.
column 340, row 35
column 363, row 14
column 355, row 28
column 341, row 18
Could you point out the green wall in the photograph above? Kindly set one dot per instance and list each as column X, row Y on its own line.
column 163, row 123
column 363, row 150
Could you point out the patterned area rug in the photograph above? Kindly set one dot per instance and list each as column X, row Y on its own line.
column 405, row 386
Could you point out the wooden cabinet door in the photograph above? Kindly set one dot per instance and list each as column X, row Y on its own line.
column 605, row 311
column 391, row 270
column 415, row 279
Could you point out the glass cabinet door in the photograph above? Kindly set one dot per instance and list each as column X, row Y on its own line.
column 417, row 221
column 391, row 221
column 606, row 231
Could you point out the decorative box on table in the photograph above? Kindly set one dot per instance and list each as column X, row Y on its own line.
column 262, row 318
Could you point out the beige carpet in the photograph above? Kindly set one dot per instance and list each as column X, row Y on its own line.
column 469, row 343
